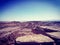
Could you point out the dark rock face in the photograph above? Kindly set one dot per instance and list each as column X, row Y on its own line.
column 49, row 30
column 38, row 30
column 8, row 40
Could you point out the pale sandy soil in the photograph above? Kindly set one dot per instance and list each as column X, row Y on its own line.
column 34, row 38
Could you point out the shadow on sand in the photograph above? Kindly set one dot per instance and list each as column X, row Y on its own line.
column 34, row 43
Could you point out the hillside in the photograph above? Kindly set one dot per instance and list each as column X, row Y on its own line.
column 30, row 31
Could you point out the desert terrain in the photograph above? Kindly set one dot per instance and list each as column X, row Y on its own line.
column 15, row 32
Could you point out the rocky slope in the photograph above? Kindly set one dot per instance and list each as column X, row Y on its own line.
column 34, row 31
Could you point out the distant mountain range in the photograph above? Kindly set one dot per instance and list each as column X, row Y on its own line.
column 29, row 23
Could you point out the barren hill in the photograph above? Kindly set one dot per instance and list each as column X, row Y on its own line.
column 34, row 31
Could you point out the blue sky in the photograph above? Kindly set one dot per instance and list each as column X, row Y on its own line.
column 29, row 10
